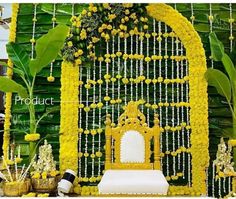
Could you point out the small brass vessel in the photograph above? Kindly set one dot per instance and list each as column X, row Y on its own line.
column 15, row 189
column 48, row 185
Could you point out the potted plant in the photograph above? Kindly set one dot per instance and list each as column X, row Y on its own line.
column 45, row 176
column 47, row 48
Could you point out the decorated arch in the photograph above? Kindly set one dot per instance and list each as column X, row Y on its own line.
column 116, row 53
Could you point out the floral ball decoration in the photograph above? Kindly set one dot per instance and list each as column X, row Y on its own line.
column 32, row 137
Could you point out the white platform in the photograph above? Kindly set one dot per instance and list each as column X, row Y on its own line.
column 133, row 182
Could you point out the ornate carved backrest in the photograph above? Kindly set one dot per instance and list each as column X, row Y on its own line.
column 132, row 138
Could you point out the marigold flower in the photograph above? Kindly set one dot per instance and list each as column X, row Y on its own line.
column 31, row 137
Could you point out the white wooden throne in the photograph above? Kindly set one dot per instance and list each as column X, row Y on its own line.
column 131, row 171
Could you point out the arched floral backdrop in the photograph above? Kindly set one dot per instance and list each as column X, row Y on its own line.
column 204, row 17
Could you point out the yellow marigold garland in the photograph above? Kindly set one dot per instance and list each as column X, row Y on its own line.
column 198, row 92
column 7, row 123
column 69, row 116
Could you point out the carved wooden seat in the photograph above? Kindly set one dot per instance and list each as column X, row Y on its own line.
column 130, row 170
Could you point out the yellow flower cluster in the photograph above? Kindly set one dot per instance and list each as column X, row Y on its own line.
column 176, row 152
column 30, row 194
column 33, row 194
column 89, row 190
column 7, row 123
column 12, row 162
column 92, row 155
column 232, row 142
column 91, row 179
column 44, row 175
column 92, row 131
column 198, row 90
column 32, row 137
column 51, row 78
column 174, row 177
column 69, row 116
column 181, row 190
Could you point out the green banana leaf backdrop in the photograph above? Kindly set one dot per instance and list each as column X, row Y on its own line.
column 220, row 120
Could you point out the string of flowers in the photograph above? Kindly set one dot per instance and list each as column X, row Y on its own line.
column 141, row 68
column 94, row 132
column 80, row 120
column 137, row 63
column 213, row 180
column 7, row 121
column 99, row 121
column 32, row 40
column 166, row 100
column 182, row 109
column 188, row 131
column 118, row 90
column 177, row 97
column 231, row 21
column 172, row 108
column 160, row 85
column 86, row 125
column 50, row 78
column 113, row 80
column 192, row 14
column 154, row 63
column 131, row 67
column 125, row 69
column 107, row 98
column 211, row 18
column 147, row 80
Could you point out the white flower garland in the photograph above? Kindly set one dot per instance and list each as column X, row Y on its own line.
column 125, row 68
column 177, row 99
column 231, row 21
column 118, row 89
column 154, row 62
column 131, row 68
column 192, row 14
column 166, row 111
column 86, row 125
column 141, row 70
column 211, row 28
column 137, row 63
column 53, row 26
column 188, row 123
column 113, row 75
column 229, row 184
column 213, row 180
column 182, row 109
column 94, row 115
column 219, row 188
column 33, row 31
column 100, row 118
column 172, row 108
column 148, row 110
column 224, row 188
column 107, row 72
column 80, row 121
